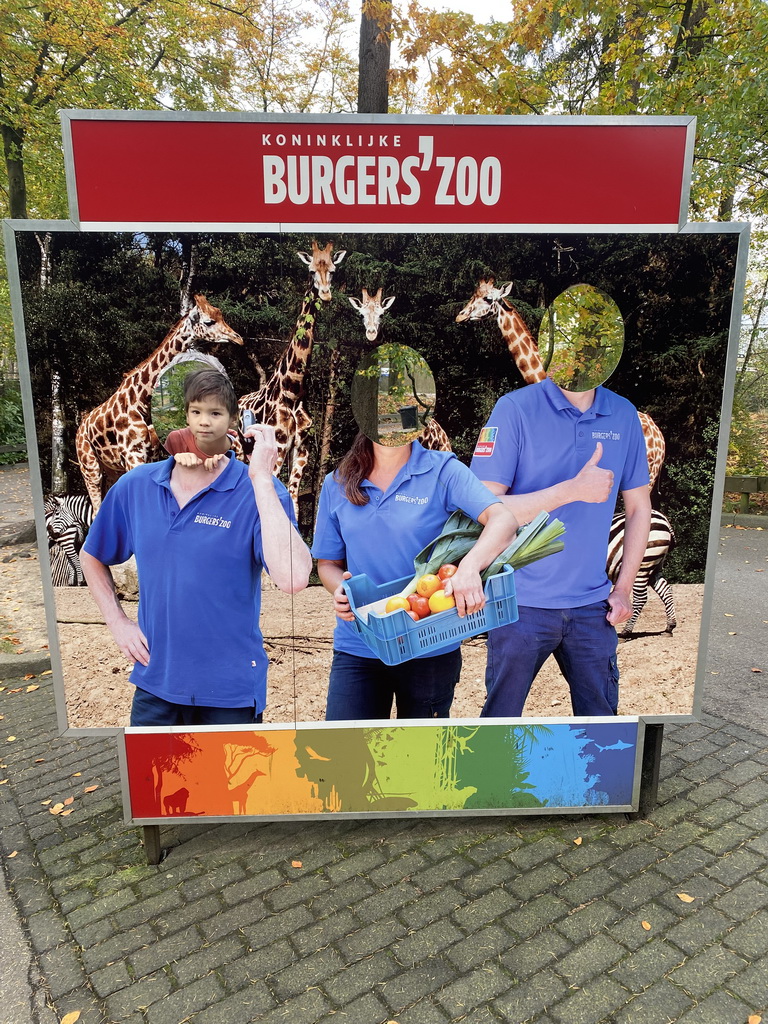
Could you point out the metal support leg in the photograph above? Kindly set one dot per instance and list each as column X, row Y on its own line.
column 649, row 772
column 152, row 844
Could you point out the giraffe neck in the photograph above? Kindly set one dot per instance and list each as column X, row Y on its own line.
column 144, row 377
column 521, row 344
column 288, row 378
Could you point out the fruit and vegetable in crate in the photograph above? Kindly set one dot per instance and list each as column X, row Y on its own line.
column 438, row 561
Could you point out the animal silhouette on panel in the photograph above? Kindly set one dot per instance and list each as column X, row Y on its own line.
column 280, row 401
column 118, row 434
column 239, row 793
column 490, row 298
column 176, row 803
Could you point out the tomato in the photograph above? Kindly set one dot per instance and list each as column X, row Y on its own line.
column 441, row 602
column 413, row 615
column 420, row 605
column 427, row 585
column 396, row 602
column 446, row 571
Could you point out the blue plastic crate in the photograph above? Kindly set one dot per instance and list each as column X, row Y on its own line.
column 395, row 637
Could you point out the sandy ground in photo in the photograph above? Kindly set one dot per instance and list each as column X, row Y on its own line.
column 657, row 670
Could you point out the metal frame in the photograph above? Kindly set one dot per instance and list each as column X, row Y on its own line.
column 645, row 753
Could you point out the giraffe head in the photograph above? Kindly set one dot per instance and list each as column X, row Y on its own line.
column 322, row 265
column 485, row 299
column 371, row 309
column 204, row 323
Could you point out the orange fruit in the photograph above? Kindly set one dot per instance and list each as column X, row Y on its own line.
column 394, row 603
column 427, row 585
column 441, row 602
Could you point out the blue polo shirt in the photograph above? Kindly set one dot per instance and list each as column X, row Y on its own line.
column 199, row 573
column 534, row 439
column 383, row 537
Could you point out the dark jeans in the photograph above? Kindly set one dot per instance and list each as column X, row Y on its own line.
column 147, row 709
column 363, row 688
column 584, row 645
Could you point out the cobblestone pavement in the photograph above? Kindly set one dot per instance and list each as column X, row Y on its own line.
column 564, row 920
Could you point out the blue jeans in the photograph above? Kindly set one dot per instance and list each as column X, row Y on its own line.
column 147, row 709
column 584, row 644
column 363, row 688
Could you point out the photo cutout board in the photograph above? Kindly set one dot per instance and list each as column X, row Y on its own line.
column 479, row 299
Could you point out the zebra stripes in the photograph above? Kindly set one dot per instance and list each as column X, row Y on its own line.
column 661, row 540
column 68, row 518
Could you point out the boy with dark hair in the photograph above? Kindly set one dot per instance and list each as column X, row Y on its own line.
column 203, row 436
column 202, row 529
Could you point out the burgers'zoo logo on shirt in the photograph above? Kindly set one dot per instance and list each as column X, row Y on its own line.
column 411, row 499
column 213, row 520
column 606, row 435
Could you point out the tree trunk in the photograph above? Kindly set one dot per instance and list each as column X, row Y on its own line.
column 13, row 151
column 188, row 277
column 373, row 68
column 59, row 481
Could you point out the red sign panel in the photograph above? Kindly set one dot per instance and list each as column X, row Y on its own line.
column 142, row 171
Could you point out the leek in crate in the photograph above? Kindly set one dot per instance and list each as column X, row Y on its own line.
column 536, row 540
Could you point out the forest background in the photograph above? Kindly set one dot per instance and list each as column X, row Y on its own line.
column 618, row 57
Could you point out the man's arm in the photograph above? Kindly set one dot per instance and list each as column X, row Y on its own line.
column 591, row 484
column 286, row 556
column 499, row 528
column 637, row 511
column 127, row 635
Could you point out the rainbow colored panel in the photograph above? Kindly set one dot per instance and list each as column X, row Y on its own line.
column 384, row 768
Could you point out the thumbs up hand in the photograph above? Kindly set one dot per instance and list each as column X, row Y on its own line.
column 592, row 483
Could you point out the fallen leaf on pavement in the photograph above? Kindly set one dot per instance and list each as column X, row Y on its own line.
column 646, row 925
column 757, row 670
column 76, row 775
column 578, row 841
column 68, row 811
column 14, row 854
column 90, row 789
column 685, row 897
column 69, row 800
column 31, row 688
column 56, row 809
column 30, row 675
column 10, row 739
column 71, row 1017
column 755, row 1018
column 296, row 864
column 48, row 672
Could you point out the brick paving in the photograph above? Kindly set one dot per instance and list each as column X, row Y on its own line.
column 431, row 920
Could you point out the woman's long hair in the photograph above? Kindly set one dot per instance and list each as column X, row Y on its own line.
column 354, row 468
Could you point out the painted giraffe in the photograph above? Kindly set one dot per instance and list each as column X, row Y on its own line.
column 280, row 401
column 372, row 308
column 489, row 297
column 118, row 434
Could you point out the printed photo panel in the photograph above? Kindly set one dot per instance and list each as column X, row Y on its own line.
column 471, row 306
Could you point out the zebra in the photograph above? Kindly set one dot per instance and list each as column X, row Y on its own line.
column 661, row 540
column 67, row 521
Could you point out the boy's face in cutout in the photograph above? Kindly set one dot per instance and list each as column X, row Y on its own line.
column 209, row 422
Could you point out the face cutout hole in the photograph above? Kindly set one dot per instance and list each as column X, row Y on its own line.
column 168, row 395
column 581, row 338
column 393, row 395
